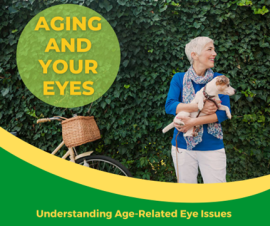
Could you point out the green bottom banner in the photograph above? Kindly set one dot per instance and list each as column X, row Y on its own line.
column 32, row 196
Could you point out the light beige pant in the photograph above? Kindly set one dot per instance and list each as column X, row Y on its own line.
column 212, row 165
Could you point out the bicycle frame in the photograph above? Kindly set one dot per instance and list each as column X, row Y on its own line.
column 71, row 153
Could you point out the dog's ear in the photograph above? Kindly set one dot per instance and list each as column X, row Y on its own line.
column 222, row 80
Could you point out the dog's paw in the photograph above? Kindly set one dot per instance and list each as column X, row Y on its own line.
column 178, row 121
column 200, row 105
column 229, row 114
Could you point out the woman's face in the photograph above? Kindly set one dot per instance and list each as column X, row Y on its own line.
column 207, row 56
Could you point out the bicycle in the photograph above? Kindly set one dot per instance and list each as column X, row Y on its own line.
column 99, row 162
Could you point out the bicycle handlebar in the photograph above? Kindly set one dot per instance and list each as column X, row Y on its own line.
column 42, row 120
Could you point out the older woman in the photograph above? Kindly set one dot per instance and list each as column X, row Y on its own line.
column 206, row 150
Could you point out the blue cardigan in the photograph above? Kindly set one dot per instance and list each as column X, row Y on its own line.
column 209, row 142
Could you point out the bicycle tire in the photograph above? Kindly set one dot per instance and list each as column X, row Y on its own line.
column 105, row 163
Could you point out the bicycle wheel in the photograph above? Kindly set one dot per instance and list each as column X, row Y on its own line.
column 105, row 164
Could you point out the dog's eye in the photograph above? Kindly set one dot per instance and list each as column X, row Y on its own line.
column 228, row 85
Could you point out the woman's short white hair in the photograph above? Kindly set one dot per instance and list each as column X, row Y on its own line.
column 196, row 45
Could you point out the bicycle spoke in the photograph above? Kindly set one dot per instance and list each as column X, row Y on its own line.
column 92, row 165
column 110, row 166
column 104, row 165
column 115, row 170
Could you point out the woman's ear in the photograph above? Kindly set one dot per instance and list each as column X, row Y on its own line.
column 194, row 55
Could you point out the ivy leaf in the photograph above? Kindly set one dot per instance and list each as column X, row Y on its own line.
column 122, row 150
column 108, row 101
column 258, row 54
column 125, row 63
column 156, row 17
column 107, row 5
column 137, row 50
column 113, row 23
column 220, row 19
column 12, row 10
column 123, row 133
column 5, row 92
column 197, row 25
column 137, row 11
column 36, row 136
column 163, row 8
column 19, row 115
column 122, row 2
column 121, row 122
column 103, row 104
column 263, row 45
column 116, row 93
column 250, row 99
column 237, row 97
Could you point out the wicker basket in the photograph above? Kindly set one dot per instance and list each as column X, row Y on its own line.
column 79, row 130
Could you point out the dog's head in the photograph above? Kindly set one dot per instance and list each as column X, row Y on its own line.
column 223, row 85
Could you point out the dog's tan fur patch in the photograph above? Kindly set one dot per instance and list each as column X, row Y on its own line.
column 222, row 80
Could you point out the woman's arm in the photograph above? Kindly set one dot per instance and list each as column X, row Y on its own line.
column 173, row 106
column 173, row 98
column 190, row 122
column 187, row 107
column 206, row 119
column 209, row 108
column 218, row 116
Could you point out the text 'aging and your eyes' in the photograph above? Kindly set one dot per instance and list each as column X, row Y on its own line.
column 89, row 65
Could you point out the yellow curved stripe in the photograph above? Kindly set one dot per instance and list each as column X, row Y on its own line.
column 138, row 188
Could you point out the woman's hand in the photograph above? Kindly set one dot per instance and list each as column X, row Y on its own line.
column 189, row 122
column 209, row 107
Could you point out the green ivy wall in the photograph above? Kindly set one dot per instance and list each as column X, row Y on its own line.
column 152, row 36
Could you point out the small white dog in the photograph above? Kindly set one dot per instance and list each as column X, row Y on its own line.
column 219, row 85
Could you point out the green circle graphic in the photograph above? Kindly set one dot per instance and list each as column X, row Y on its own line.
column 68, row 55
